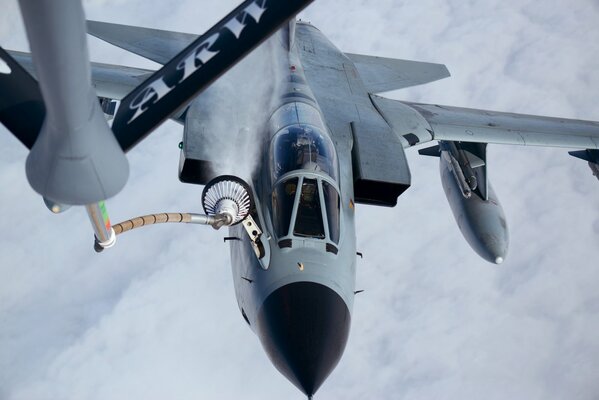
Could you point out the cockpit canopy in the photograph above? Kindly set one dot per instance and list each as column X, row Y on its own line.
column 317, row 214
column 302, row 147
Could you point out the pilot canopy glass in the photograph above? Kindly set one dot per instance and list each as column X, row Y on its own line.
column 310, row 205
column 308, row 222
column 302, row 147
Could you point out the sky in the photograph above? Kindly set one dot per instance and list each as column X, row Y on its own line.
column 155, row 317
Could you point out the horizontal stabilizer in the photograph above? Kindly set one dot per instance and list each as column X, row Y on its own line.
column 110, row 81
column 590, row 155
column 381, row 74
column 153, row 44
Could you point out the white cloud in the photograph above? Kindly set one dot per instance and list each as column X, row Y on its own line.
column 156, row 316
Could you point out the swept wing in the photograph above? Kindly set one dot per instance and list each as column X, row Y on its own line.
column 435, row 122
column 110, row 81
column 154, row 44
column 378, row 129
column 381, row 74
column 344, row 85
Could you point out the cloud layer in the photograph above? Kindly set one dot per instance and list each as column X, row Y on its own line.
column 156, row 317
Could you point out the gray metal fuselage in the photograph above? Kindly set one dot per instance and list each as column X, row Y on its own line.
column 298, row 297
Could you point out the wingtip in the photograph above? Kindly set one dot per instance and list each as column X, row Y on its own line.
column 448, row 74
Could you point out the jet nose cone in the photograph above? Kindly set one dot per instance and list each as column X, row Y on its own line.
column 303, row 327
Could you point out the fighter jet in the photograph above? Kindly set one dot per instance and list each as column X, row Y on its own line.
column 326, row 142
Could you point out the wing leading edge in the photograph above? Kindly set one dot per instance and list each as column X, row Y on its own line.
column 428, row 122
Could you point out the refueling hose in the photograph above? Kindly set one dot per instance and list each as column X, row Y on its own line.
column 162, row 218
column 226, row 200
column 150, row 220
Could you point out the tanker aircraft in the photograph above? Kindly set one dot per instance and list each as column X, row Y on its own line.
column 326, row 141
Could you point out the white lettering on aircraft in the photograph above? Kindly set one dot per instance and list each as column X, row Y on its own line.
column 196, row 58
column 201, row 53
column 4, row 68
column 236, row 27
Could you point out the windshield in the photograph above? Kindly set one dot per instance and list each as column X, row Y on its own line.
column 308, row 222
column 331, row 201
column 314, row 197
column 302, row 147
column 283, row 197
